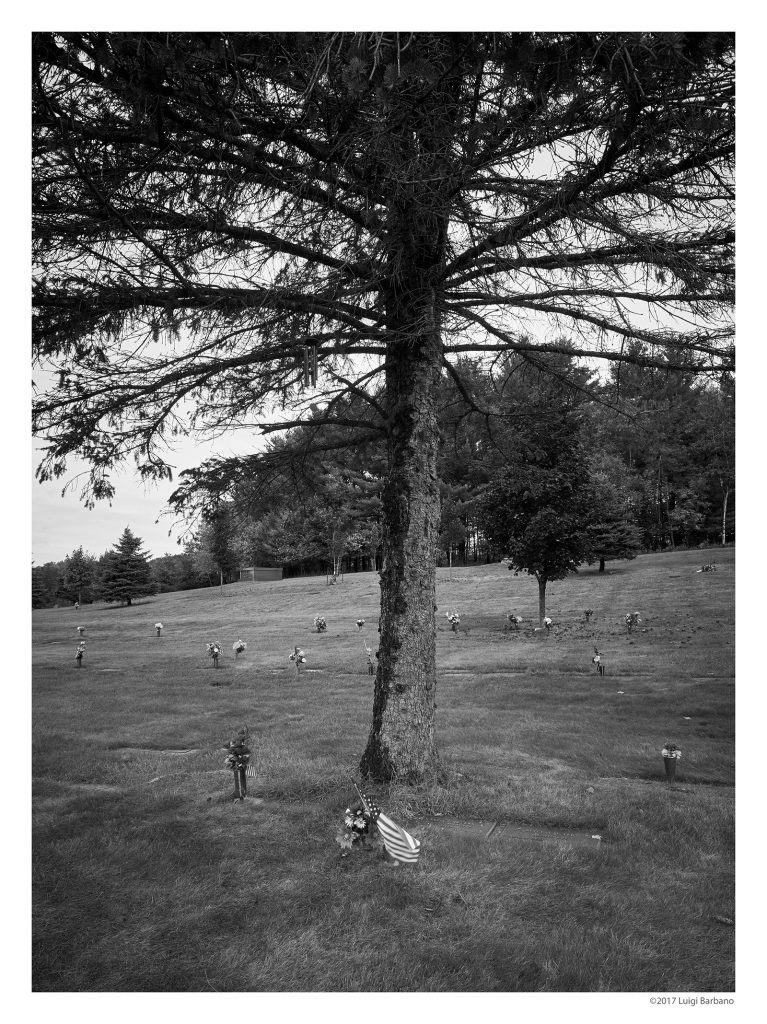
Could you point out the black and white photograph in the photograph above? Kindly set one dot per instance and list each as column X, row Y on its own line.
column 383, row 518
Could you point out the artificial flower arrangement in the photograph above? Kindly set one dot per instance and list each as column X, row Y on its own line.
column 237, row 760
column 632, row 619
column 360, row 623
column 238, row 647
column 238, row 756
column 548, row 624
column 709, row 567
column 671, row 750
column 80, row 653
column 158, row 627
column 214, row 651
column 355, row 833
column 514, row 620
column 298, row 658
column 80, row 630
column 319, row 624
column 588, row 612
column 454, row 619
column 597, row 660
column 371, row 663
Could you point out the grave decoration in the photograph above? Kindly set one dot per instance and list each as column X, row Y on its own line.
column 709, row 567
column 371, row 663
column 632, row 620
column 360, row 623
column 597, row 660
column 214, row 652
column 238, row 647
column 80, row 630
column 671, row 754
column 398, row 843
column 587, row 613
column 355, row 833
column 548, row 624
column 238, row 761
column 298, row 658
column 158, row 628
column 513, row 620
column 454, row 619
column 80, row 653
column 319, row 624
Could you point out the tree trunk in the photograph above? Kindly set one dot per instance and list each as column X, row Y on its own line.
column 542, row 581
column 601, row 565
column 724, row 517
column 401, row 740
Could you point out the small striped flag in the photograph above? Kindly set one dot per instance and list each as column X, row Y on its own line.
column 250, row 771
column 399, row 843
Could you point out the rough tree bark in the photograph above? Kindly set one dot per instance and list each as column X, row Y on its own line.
column 542, row 581
column 401, row 740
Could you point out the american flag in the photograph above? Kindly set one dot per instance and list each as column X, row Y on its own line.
column 250, row 771
column 399, row 843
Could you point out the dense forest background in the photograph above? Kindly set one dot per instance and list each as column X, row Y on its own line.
column 641, row 460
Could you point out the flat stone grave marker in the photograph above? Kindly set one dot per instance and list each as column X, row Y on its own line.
column 505, row 830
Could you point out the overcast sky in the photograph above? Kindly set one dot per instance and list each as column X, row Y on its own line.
column 61, row 524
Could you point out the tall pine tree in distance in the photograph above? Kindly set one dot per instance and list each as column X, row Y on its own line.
column 126, row 571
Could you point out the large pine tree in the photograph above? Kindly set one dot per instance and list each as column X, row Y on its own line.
column 232, row 225
column 126, row 573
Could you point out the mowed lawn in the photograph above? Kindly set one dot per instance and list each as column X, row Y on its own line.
column 148, row 877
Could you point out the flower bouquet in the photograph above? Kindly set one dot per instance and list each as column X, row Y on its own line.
column 371, row 663
column 80, row 630
column 80, row 653
column 214, row 651
column 513, row 620
column 158, row 628
column 454, row 619
column 671, row 754
column 238, row 647
column 238, row 760
column 597, row 660
column 360, row 623
column 319, row 624
column 709, row 567
column 355, row 833
column 632, row 619
column 587, row 613
column 548, row 624
column 298, row 658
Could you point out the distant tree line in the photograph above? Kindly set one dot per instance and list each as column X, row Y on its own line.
column 541, row 462
column 122, row 574
column 584, row 470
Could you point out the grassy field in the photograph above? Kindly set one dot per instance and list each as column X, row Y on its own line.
column 148, row 877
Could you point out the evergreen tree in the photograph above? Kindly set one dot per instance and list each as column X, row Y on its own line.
column 126, row 574
column 613, row 531
column 79, row 575
column 45, row 584
column 225, row 222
